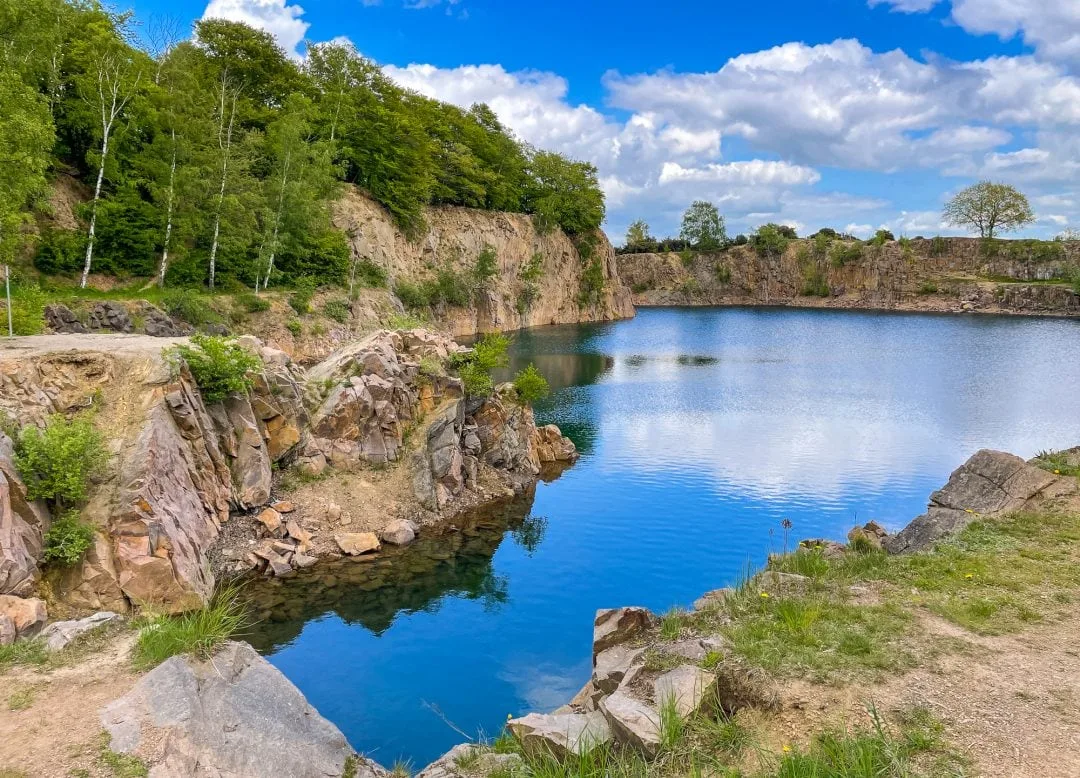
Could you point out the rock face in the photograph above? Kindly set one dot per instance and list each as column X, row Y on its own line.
column 22, row 524
column 60, row 633
column 456, row 236
column 989, row 484
column 236, row 716
column 26, row 616
column 688, row 688
column 633, row 722
column 177, row 469
column 919, row 275
column 617, row 625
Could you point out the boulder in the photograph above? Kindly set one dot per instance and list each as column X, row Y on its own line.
column 611, row 666
column 481, row 763
column 157, row 323
column 7, row 630
column 271, row 520
column 689, row 688
column 60, row 633
column 713, row 599
column 283, row 506
column 552, row 446
column 617, row 625
column 561, row 734
column 357, row 543
column 27, row 614
column 633, row 723
column 110, row 315
column 990, row 484
column 399, row 532
column 235, row 715
column 60, row 318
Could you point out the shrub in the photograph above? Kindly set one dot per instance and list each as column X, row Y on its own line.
column 337, row 309
column 814, row 283
column 928, row 287
column 881, row 237
column 938, row 246
column 369, row 274
column 300, row 299
column 530, row 275
column 190, row 306
column 475, row 366
column 252, row 303
column 486, row 267
column 641, row 287
column 531, row 385
column 770, row 239
column 198, row 632
column 592, row 283
column 412, row 295
column 27, row 310
column 220, row 366
column 295, row 327
column 843, row 253
column 723, row 273
column 68, row 539
column 58, row 462
column 686, row 256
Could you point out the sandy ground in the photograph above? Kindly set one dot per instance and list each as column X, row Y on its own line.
column 1011, row 703
column 58, row 733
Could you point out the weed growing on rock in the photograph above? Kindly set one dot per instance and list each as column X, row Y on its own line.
column 67, row 540
column 337, row 309
column 220, row 366
column 197, row 632
column 475, row 366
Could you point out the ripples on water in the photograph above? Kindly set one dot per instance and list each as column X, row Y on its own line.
column 701, row 429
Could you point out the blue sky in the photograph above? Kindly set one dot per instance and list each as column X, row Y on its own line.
column 854, row 114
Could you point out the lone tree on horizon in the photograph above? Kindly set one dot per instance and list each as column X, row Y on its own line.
column 703, row 226
column 989, row 207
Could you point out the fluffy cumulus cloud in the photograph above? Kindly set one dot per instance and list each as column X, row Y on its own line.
column 277, row 17
column 777, row 134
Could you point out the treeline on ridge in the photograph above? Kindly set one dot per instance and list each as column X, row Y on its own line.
column 215, row 159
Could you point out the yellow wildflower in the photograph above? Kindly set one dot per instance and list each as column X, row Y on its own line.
column 968, row 510
column 765, row 595
column 787, row 749
column 1057, row 472
column 969, row 575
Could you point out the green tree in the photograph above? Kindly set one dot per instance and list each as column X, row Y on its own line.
column 989, row 208
column 564, row 193
column 638, row 237
column 26, row 138
column 703, row 226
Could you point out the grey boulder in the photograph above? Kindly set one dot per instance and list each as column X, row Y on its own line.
column 618, row 625
column 233, row 716
column 60, row 633
column 561, row 734
column 632, row 722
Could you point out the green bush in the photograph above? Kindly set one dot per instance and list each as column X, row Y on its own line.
column 412, row 295
column 529, row 276
column 881, row 237
column 475, row 367
column 928, row 287
column 295, row 327
column 723, row 273
column 252, row 303
column 486, row 267
column 27, row 310
column 938, row 247
column 447, row 288
column 220, row 366
column 190, row 306
column 844, row 253
column 67, row 540
column 61, row 251
column 531, row 385
column 770, row 240
column 592, row 283
column 57, row 462
column 370, row 274
column 337, row 309
column 300, row 299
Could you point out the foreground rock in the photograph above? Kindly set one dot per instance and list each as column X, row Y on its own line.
column 59, row 634
column 988, row 485
column 26, row 616
column 22, row 525
column 561, row 734
column 479, row 761
column 634, row 723
column 617, row 625
column 234, row 716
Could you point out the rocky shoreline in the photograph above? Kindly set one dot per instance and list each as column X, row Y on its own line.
column 237, row 714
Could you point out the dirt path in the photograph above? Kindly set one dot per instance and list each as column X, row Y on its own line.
column 1011, row 704
column 55, row 730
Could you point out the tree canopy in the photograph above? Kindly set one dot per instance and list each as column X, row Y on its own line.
column 989, row 208
column 220, row 155
column 703, row 226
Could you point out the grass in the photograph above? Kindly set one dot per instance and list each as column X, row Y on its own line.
column 198, row 632
column 32, row 653
column 1057, row 462
column 119, row 765
column 21, row 699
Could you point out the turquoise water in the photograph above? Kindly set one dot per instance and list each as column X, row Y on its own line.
column 701, row 430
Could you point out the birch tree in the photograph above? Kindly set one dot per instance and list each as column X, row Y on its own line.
column 226, row 123
column 115, row 82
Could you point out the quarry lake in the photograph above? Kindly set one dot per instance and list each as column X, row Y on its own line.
column 700, row 430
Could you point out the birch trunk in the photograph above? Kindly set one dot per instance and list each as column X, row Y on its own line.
column 277, row 216
column 168, row 216
column 225, row 144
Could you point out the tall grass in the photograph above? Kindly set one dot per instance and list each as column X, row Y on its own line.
column 197, row 632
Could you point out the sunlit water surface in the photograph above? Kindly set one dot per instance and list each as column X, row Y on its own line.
column 700, row 431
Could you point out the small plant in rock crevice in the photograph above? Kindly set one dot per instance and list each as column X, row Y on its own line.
column 531, row 385
column 67, row 540
column 220, row 366
column 475, row 367
column 58, row 462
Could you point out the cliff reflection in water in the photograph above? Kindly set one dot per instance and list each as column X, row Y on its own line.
column 454, row 561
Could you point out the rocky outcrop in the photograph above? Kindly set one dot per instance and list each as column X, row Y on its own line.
column 468, row 761
column 235, row 715
column 60, row 634
column 990, row 484
column 561, row 734
column 454, row 237
column 945, row 274
column 22, row 525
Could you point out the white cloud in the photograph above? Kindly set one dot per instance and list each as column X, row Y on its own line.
column 1051, row 27
column 906, row 6
column 277, row 17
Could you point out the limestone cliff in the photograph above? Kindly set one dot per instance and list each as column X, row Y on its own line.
column 943, row 274
column 455, row 237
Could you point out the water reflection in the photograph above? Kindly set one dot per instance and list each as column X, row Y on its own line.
column 443, row 562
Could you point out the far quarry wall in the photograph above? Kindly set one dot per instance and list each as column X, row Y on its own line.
column 934, row 275
column 455, row 237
